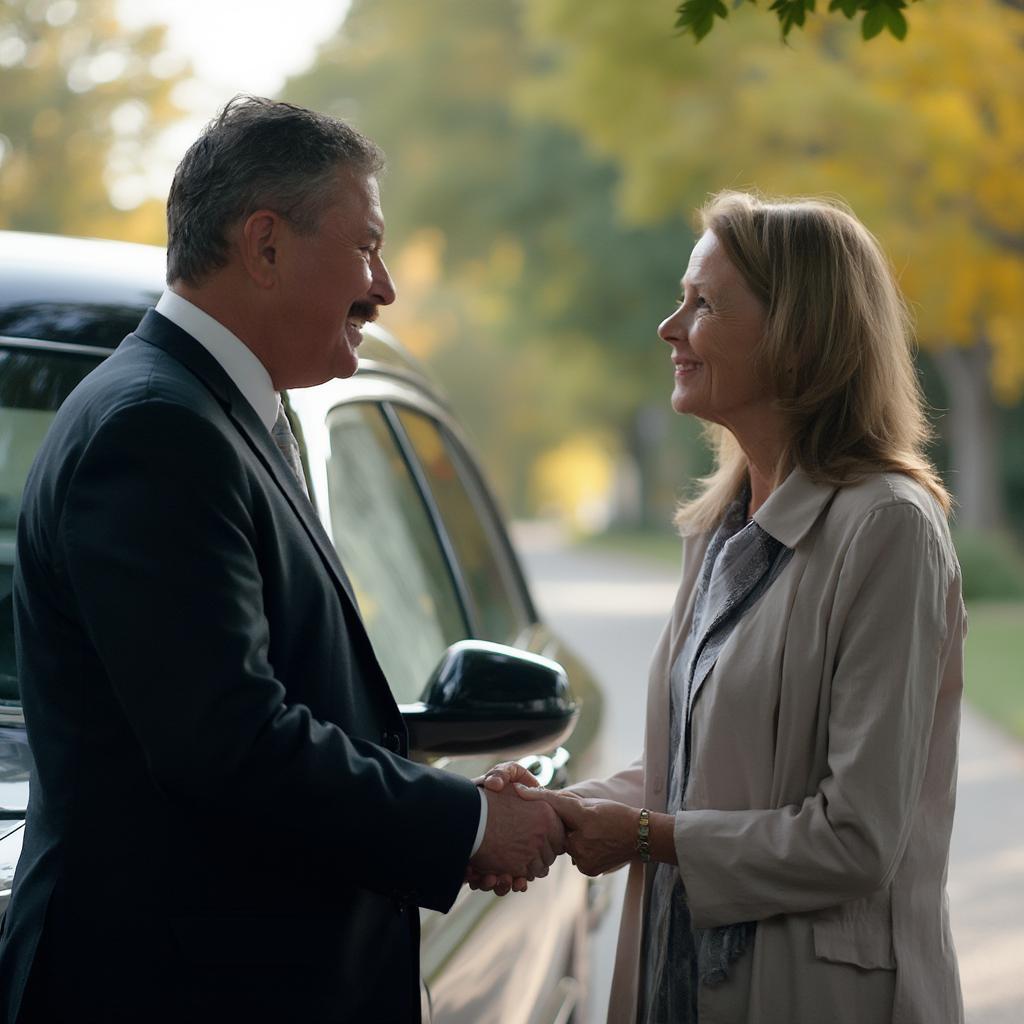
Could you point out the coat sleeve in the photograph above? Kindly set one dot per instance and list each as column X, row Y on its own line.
column 157, row 543
column 625, row 786
column 896, row 588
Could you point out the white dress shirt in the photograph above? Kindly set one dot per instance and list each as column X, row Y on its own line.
column 250, row 376
column 236, row 359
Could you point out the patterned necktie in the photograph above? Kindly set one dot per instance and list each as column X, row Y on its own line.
column 288, row 446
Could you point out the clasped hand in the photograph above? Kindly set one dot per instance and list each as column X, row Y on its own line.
column 599, row 835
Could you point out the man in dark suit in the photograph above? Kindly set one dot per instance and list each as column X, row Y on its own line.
column 223, row 824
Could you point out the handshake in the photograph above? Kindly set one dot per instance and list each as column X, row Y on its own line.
column 528, row 827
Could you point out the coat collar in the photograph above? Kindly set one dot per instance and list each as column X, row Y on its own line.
column 157, row 330
column 788, row 515
column 793, row 508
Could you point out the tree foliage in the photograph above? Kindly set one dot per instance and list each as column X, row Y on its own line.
column 925, row 138
column 697, row 17
column 80, row 100
column 516, row 274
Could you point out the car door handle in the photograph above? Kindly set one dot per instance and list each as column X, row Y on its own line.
column 550, row 771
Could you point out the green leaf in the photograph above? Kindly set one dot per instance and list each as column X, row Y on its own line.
column 698, row 16
column 791, row 12
column 848, row 7
column 897, row 22
column 874, row 21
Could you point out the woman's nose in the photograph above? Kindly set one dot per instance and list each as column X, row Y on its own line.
column 672, row 328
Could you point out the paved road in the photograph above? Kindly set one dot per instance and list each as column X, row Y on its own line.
column 611, row 610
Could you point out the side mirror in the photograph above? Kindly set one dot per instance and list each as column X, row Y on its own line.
column 486, row 698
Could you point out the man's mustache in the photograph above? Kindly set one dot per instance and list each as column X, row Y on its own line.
column 363, row 311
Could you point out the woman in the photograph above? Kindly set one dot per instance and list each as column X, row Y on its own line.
column 787, row 827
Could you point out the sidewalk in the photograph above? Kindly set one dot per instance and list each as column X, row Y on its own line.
column 986, row 876
column 612, row 609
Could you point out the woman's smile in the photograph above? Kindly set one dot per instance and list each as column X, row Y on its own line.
column 686, row 367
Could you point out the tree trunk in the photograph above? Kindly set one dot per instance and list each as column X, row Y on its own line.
column 645, row 435
column 973, row 437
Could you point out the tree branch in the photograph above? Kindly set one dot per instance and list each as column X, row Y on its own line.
column 1011, row 241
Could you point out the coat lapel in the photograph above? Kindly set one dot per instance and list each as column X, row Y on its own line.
column 788, row 515
column 159, row 331
column 714, row 636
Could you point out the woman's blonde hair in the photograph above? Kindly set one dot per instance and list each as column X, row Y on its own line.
column 837, row 350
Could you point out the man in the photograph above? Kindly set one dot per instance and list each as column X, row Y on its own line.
column 198, row 686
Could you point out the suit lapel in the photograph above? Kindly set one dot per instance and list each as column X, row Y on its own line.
column 159, row 331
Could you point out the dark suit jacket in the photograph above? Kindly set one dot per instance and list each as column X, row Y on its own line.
column 222, row 823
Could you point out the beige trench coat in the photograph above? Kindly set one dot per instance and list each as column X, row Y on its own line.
column 822, row 788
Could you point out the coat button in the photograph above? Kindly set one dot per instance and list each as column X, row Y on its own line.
column 392, row 741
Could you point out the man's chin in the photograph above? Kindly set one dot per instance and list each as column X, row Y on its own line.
column 347, row 363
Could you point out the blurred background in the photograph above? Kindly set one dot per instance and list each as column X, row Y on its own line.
column 545, row 159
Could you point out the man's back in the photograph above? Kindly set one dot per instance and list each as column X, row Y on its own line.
column 167, row 591
column 194, row 672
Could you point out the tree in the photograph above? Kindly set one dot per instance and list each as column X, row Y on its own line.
column 80, row 100
column 924, row 138
column 697, row 17
column 515, row 275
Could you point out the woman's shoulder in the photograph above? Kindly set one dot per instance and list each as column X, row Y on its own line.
column 885, row 499
column 881, row 490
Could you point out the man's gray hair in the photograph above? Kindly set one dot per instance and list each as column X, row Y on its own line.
column 256, row 154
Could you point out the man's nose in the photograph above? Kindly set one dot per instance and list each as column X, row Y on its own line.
column 383, row 287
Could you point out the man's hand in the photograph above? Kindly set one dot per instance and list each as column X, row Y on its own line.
column 600, row 834
column 522, row 839
column 495, row 779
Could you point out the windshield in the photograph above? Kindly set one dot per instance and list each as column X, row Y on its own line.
column 33, row 383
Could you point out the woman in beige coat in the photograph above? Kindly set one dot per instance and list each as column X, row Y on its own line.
column 787, row 827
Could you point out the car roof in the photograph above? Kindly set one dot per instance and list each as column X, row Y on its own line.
column 92, row 292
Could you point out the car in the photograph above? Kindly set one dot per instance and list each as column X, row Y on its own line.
column 477, row 673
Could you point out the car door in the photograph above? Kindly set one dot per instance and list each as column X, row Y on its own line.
column 431, row 564
column 35, row 378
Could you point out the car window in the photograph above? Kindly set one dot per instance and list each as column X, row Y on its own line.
column 389, row 548
column 494, row 589
column 33, row 384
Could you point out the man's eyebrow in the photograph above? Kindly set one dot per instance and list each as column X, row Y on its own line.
column 375, row 233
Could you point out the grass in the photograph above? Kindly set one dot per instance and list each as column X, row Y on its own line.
column 994, row 654
column 995, row 662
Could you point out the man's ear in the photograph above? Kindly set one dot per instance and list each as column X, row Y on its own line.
column 259, row 240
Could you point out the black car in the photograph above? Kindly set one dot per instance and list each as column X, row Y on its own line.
column 432, row 565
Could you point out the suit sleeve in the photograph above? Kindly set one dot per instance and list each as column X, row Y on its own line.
column 158, row 545
column 846, row 839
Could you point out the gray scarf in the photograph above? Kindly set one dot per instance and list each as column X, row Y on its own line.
column 740, row 564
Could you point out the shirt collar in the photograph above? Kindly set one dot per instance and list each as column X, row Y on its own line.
column 237, row 360
column 793, row 508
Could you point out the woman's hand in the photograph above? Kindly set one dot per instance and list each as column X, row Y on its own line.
column 600, row 834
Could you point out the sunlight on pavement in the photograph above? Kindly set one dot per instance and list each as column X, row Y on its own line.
column 622, row 600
